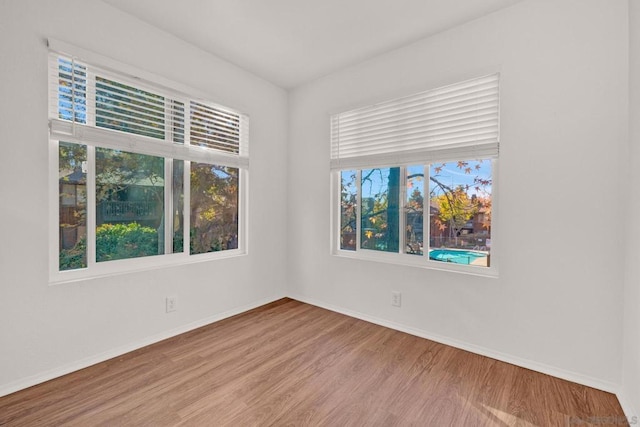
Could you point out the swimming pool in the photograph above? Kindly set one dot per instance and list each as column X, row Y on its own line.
column 455, row 256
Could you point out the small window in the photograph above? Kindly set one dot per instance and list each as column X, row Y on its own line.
column 417, row 177
column 459, row 198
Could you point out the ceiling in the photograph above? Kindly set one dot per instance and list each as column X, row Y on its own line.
column 291, row 42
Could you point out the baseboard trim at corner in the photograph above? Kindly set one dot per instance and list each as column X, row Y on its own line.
column 632, row 414
column 503, row 357
column 119, row 351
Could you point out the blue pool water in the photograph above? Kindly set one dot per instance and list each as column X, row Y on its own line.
column 455, row 256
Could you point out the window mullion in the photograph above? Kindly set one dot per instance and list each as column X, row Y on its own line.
column 426, row 212
column 91, row 206
column 358, row 208
column 168, row 206
column 402, row 216
column 186, row 208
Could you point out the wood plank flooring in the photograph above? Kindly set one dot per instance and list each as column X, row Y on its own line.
column 290, row 363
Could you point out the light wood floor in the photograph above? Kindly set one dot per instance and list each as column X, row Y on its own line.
column 290, row 363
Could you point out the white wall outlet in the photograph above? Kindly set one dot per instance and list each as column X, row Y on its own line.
column 396, row 299
column 172, row 304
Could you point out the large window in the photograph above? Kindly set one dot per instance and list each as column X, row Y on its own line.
column 144, row 175
column 415, row 178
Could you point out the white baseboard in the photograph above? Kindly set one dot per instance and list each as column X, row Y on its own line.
column 92, row 360
column 514, row 360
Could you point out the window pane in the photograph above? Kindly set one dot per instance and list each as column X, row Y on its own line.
column 413, row 210
column 460, row 195
column 178, row 206
column 214, row 208
column 380, row 209
column 72, row 159
column 128, row 109
column 129, row 205
column 348, row 210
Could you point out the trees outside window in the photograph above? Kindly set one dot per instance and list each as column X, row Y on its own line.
column 458, row 197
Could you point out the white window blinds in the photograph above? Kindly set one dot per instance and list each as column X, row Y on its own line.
column 95, row 105
column 459, row 121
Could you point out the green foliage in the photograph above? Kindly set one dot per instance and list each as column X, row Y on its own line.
column 70, row 157
column 121, row 241
column 214, row 208
column 456, row 207
column 74, row 258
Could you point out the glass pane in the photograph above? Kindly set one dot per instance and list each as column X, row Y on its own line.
column 72, row 160
column 460, row 195
column 348, row 210
column 129, row 109
column 129, row 205
column 214, row 208
column 178, row 206
column 413, row 210
column 380, row 209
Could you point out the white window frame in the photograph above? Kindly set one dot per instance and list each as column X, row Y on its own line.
column 408, row 153
column 402, row 258
column 81, row 134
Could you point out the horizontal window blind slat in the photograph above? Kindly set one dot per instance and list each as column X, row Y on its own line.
column 219, row 110
column 219, row 137
column 463, row 116
column 125, row 114
column 213, row 115
column 214, row 126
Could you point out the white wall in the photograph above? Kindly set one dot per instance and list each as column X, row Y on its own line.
column 631, row 354
column 46, row 330
column 556, row 305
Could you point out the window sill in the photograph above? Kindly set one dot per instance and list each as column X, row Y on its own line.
column 418, row 261
column 135, row 265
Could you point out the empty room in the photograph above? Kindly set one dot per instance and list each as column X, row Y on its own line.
column 292, row 212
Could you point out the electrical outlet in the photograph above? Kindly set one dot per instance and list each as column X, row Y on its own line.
column 172, row 304
column 396, row 299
